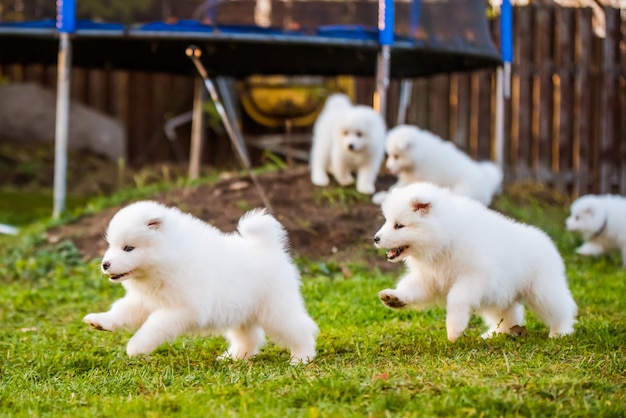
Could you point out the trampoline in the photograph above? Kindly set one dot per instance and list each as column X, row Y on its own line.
column 385, row 39
column 445, row 36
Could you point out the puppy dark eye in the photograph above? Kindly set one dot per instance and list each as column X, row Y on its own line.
column 398, row 226
column 359, row 134
column 128, row 248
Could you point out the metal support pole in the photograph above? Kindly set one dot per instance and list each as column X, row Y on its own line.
column 507, row 80
column 234, row 135
column 406, row 88
column 382, row 80
column 506, row 43
column 385, row 39
column 197, row 130
column 64, row 66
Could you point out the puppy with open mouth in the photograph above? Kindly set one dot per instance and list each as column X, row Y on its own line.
column 183, row 276
column 461, row 255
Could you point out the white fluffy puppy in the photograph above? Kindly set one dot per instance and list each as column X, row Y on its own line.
column 182, row 275
column 347, row 139
column 601, row 220
column 414, row 155
column 468, row 258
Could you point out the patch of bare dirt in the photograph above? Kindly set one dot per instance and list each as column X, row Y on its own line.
column 323, row 224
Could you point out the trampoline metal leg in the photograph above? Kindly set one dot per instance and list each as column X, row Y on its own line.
column 62, row 123
column 406, row 87
column 382, row 80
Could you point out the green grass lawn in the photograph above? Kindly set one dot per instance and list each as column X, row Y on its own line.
column 371, row 361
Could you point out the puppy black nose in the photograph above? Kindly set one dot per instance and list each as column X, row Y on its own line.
column 106, row 265
column 351, row 147
column 376, row 239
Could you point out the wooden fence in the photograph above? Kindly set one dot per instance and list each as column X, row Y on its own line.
column 565, row 122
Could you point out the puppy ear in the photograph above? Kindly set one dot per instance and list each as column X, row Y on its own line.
column 404, row 144
column 154, row 223
column 421, row 207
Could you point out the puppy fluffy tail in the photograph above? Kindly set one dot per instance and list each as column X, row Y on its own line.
column 260, row 226
column 493, row 176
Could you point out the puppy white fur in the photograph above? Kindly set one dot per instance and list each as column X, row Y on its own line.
column 601, row 220
column 468, row 258
column 347, row 139
column 182, row 275
column 414, row 155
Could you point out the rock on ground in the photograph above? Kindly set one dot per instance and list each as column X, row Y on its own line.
column 28, row 113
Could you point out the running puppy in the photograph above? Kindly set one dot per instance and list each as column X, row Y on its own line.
column 347, row 139
column 182, row 276
column 468, row 258
column 414, row 155
column 601, row 220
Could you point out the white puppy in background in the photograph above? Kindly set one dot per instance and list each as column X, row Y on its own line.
column 414, row 155
column 468, row 258
column 182, row 275
column 347, row 139
column 601, row 220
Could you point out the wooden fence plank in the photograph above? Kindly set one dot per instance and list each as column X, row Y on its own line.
column 460, row 135
column 620, row 127
column 472, row 145
column 608, row 101
column 418, row 110
column 98, row 87
column 78, row 85
column 34, row 73
column 522, row 99
column 139, row 117
column 438, row 115
column 486, row 114
column 582, row 109
column 542, row 93
column 393, row 95
column 453, row 103
column 621, row 133
column 562, row 97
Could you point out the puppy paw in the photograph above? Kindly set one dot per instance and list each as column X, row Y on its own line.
column 136, row 348
column 295, row 360
column 365, row 189
column 234, row 355
column 590, row 249
column 345, row 180
column 302, row 355
column 390, row 300
column 488, row 334
column 454, row 334
column 379, row 198
column 99, row 322
column 320, row 179
column 561, row 332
